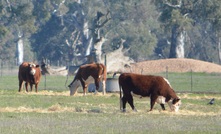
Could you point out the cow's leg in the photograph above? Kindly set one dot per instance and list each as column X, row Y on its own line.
column 85, row 89
column 104, row 87
column 84, row 86
column 162, row 106
column 131, row 102
column 97, row 85
column 153, row 99
column 124, row 101
column 36, row 88
column 26, row 86
column 31, row 86
column 20, row 85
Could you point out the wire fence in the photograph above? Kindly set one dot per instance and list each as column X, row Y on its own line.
column 181, row 82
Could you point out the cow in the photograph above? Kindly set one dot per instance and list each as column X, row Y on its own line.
column 31, row 74
column 89, row 73
column 156, row 87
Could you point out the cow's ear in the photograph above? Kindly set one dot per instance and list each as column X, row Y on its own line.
column 37, row 65
column 176, row 100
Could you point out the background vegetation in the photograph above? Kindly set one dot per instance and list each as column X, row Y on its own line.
column 146, row 25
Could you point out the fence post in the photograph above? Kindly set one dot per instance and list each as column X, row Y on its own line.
column 191, row 83
column 167, row 72
column 1, row 67
column 45, row 81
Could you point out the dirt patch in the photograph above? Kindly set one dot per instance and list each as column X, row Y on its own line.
column 174, row 65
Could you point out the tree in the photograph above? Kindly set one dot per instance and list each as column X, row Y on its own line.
column 136, row 22
column 17, row 18
column 192, row 24
column 175, row 17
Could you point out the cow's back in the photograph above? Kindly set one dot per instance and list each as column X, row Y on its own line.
column 91, row 70
column 146, row 84
column 23, row 71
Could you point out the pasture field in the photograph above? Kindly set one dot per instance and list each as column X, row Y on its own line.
column 57, row 112
column 52, row 110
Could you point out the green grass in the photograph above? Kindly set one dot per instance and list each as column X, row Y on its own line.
column 51, row 112
column 56, row 83
column 106, row 123
column 54, row 111
column 194, row 82
column 181, row 82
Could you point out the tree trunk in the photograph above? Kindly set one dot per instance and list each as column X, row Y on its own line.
column 96, row 40
column 20, row 51
column 219, row 51
column 177, row 43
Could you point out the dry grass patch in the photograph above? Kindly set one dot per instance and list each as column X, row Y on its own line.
column 61, row 102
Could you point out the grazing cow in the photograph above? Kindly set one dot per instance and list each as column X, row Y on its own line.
column 156, row 87
column 89, row 73
column 31, row 74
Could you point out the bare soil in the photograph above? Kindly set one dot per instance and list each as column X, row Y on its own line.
column 174, row 65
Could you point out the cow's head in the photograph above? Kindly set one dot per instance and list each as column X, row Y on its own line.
column 32, row 71
column 175, row 104
column 32, row 68
column 74, row 86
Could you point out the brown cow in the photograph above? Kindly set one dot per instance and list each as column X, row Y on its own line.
column 87, row 74
column 30, row 73
column 156, row 87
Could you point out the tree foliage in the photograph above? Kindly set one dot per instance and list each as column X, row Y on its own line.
column 200, row 18
column 55, row 29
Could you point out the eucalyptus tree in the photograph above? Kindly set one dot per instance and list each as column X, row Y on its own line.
column 18, row 21
column 207, row 13
column 174, row 18
column 69, row 29
column 136, row 22
column 193, row 23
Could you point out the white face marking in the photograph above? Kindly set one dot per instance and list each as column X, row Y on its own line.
column 74, row 86
column 174, row 107
column 32, row 65
column 33, row 71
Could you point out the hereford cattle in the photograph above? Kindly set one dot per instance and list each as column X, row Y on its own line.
column 156, row 87
column 89, row 73
column 31, row 74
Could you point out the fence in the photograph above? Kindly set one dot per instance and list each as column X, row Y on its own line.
column 181, row 82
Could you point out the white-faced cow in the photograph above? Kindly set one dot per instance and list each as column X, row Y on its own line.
column 89, row 73
column 156, row 87
column 31, row 74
